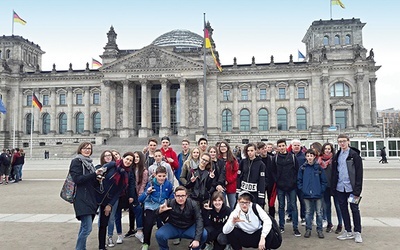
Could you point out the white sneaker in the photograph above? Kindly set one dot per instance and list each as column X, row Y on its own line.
column 140, row 237
column 145, row 247
column 324, row 223
column 119, row 239
column 110, row 241
column 358, row 238
column 176, row 241
column 346, row 236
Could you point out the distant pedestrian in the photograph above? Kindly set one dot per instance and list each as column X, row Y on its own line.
column 383, row 155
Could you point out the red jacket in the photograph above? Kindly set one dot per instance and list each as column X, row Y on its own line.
column 170, row 153
column 231, row 176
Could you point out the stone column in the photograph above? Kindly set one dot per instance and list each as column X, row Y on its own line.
column 326, row 102
column 254, row 110
column 105, row 107
column 166, row 108
column 3, row 121
column 355, row 112
column 70, row 114
column 272, row 113
column 292, row 107
column 86, row 102
column 235, row 109
column 53, row 114
column 372, row 82
column 360, row 101
column 144, row 130
column 126, row 111
column 201, row 104
column 183, row 128
column 36, row 115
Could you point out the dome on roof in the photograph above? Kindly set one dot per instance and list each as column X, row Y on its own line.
column 179, row 39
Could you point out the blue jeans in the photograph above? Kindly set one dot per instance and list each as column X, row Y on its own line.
column 84, row 231
column 291, row 203
column 313, row 205
column 328, row 207
column 17, row 169
column 169, row 231
column 111, row 220
column 344, row 208
column 138, row 210
column 231, row 200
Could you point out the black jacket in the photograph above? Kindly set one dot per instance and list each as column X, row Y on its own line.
column 355, row 169
column 286, row 168
column 251, row 177
column 85, row 199
column 184, row 218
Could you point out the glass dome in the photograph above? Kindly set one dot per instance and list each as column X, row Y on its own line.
column 179, row 39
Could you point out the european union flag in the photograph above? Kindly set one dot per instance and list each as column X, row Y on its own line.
column 300, row 55
column 2, row 108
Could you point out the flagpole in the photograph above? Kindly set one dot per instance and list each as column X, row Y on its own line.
column 12, row 21
column 205, row 83
column 14, row 123
column 330, row 4
column 30, row 144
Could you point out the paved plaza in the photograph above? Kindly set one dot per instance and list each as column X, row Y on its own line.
column 33, row 216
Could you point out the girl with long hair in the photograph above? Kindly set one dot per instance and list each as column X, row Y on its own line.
column 190, row 165
column 231, row 171
column 219, row 166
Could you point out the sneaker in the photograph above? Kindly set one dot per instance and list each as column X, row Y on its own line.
column 119, row 239
column 110, row 241
column 329, row 228
column 130, row 233
column 338, row 229
column 282, row 230
column 303, row 222
column 346, row 236
column 176, row 241
column 324, row 223
column 307, row 234
column 320, row 234
column 288, row 220
column 296, row 232
column 139, row 236
column 209, row 246
column 145, row 247
column 358, row 238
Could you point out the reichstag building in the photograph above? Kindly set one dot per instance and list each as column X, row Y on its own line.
column 158, row 90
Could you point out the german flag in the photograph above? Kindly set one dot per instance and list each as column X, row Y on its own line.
column 17, row 19
column 36, row 102
column 96, row 63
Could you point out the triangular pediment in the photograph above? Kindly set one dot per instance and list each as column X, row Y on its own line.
column 152, row 58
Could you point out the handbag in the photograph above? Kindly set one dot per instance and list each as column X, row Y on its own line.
column 68, row 190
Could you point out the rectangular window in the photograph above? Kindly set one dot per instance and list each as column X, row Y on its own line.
column 29, row 100
column 282, row 93
column 245, row 94
column 301, row 93
column 62, row 99
column 263, row 94
column 96, row 98
column 226, row 95
column 45, row 100
column 79, row 98
column 341, row 118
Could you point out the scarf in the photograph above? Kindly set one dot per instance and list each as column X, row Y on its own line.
column 325, row 160
column 87, row 162
column 194, row 165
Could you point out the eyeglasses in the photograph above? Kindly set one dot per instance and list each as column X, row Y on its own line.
column 180, row 196
column 244, row 203
column 205, row 160
column 342, row 141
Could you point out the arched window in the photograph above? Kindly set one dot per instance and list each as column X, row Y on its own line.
column 46, row 123
column 301, row 118
column 96, row 122
column 347, row 39
column 282, row 119
column 340, row 89
column 337, row 40
column 1, row 54
column 244, row 120
column 226, row 120
column 62, row 123
column 79, row 123
column 263, row 120
column 29, row 124
column 8, row 54
column 325, row 41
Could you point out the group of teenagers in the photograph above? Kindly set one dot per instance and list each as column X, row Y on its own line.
column 219, row 202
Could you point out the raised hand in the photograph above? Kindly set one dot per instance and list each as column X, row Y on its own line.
column 207, row 206
column 150, row 189
column 212, row 174
column 193, row 178
column 237, row 219
column 164, row 207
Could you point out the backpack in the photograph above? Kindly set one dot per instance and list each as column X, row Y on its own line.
column 274, row 237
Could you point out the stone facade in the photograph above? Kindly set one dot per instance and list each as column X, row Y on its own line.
column 158, row 90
